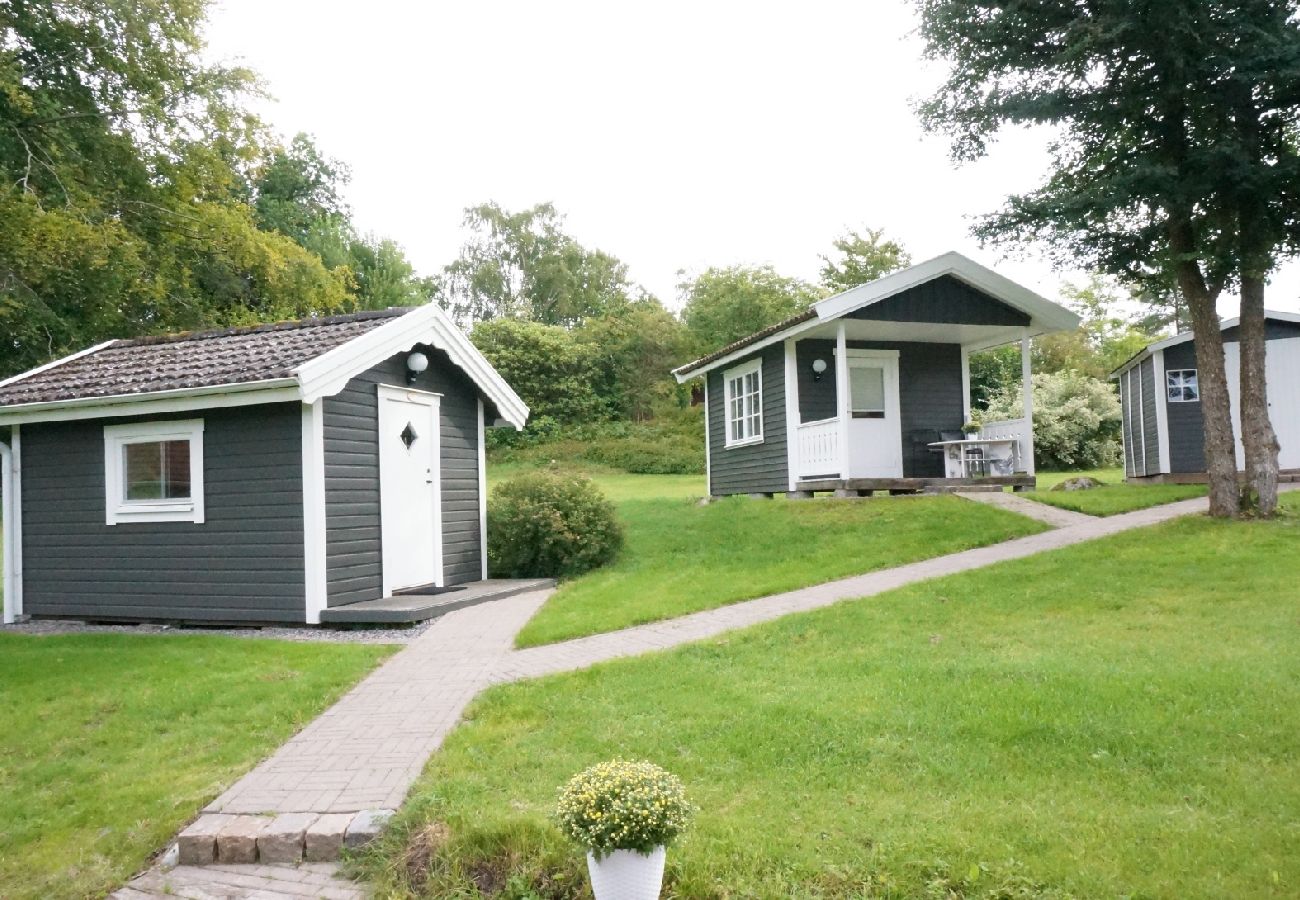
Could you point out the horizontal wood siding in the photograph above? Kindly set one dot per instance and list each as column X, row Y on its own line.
column 1186, row 424
column 243, row 563
column 1150, row 423
column 354, row 553
column 945, row 301
column 756, row 468
column 929, row 391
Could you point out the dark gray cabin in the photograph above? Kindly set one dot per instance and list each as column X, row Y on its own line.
column 249, row 475
column 869, row 389
column 1160, row 393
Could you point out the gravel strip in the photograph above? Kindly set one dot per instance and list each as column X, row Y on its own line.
column 378, row 635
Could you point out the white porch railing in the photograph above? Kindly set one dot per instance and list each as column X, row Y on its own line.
column 818, row 448
column 1017, row 430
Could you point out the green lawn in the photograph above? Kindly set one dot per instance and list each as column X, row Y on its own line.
column 1115, row 497
column 1115, row 719
column 681, row 558
column 110, row 743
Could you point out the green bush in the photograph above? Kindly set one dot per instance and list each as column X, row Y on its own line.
column 1077, row 420
column 672, row 444
column 543, row 525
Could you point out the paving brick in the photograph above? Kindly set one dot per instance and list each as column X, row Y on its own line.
column 365, row 827
column 324, row 838
column 237, row 839
column 197, row 844
column 281, row 841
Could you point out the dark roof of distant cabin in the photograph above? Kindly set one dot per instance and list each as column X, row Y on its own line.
column 809, row 313
column 198, row 359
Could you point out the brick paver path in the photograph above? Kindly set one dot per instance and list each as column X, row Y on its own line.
column 1043, row 512
column 367, row 750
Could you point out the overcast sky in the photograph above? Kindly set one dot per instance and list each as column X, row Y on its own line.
column 672, row 135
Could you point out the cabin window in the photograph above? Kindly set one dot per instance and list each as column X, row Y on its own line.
column 866, row 391
column 1182, row 386
column 744, row 403
column 153, row 472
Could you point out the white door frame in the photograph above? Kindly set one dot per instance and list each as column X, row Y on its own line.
column 892, row 393
column 433, row 402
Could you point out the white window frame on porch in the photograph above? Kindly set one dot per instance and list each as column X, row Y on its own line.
column 749, row 412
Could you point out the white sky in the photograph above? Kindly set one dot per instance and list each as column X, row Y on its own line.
column 672, row 135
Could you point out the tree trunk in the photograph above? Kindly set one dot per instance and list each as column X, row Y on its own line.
column 1259, row 493
column 1216, row 408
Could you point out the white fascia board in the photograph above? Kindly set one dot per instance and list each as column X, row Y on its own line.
column 184, row 400
column 12, row 379
column 1186, row 336
column 330, row 372
column 1045, row 315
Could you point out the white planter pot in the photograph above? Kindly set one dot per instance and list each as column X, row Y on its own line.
column 627, row 875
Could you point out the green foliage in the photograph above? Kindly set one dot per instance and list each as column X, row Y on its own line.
column 862, row 257
column 670, row 444
column 522, row 265
column 622, row 805
column 553, row 526
column 723, row 305
column 1077, row 421
column 635, row 349
column 552, row 371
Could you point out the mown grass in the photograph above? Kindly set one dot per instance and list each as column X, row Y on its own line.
column 680, row 557
column 1115, row 719
column 1113, row 497
column 110, row 743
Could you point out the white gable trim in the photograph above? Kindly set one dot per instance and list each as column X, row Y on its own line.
column 330, row 372
column 1184, row 337
column 58, row 362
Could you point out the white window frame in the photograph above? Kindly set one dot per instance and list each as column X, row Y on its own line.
column 117, row 509
column 754, row 366
column 1182, row 383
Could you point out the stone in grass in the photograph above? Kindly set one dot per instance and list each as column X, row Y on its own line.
column 324, row 838
column 365, row 827
column 281, row 841
column 237, row 840
column 1080, row 483
column 197, row 844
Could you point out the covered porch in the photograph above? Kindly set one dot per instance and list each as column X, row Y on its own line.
column 877, row 405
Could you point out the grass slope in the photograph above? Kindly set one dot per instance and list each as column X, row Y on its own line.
column 1113, row 497
column 681, row 558
column 110, row 743
column 1112, row 719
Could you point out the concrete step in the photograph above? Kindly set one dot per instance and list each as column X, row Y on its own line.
column 285, row 839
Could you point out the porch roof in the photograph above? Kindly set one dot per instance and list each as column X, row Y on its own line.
column 1040, row 316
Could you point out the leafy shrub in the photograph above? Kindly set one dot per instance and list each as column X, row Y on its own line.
column 672, row 444
column 1077, row 420
column 620, row 805
column 547, row 525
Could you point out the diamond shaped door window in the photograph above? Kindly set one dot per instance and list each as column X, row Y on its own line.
column 408, row 435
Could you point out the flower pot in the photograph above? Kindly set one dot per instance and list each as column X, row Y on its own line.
column 627, row 875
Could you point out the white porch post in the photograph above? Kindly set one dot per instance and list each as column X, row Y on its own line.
column 791, row 415
column 965, row 384
column 842, row 395
column 1027, row 377
column 7, row 476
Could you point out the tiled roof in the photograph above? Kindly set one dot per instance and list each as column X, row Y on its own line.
column 809, row 313
column 192, row 360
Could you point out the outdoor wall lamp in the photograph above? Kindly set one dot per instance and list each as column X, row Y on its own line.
column 819, row 369
column 416, row 363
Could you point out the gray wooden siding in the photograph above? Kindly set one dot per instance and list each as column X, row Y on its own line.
column 944, row 300
column 1150, row 424
column 756, row 468
column 929, row 391
column 354, row 554
column 244, row 563
column 1186, row 425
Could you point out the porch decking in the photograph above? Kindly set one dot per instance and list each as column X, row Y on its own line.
column 865, row 486
column 415, row 607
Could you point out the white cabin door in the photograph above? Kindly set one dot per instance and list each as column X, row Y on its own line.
column 875, row 430
column 409, row 493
